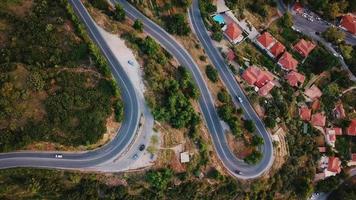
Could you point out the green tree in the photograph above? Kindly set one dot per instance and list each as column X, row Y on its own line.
column 119, row 13
column 332, row 34
column 138, row 25
column 211, row 73
column 249, row 126
column 287, row 20
column 257, row 141
column 177, row 24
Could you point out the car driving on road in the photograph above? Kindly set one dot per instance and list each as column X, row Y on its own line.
column 58, row 156
column 142, row 147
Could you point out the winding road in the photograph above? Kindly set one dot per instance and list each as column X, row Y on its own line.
column 119, row 144
column 132, row 112
column 206, row 102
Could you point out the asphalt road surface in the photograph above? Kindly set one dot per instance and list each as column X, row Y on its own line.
column 232, row 85
column 206, row 102
column 125, row 134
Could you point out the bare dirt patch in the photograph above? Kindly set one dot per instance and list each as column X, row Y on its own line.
column 20, row 8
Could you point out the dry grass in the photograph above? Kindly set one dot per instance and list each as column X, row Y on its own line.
column 20, row 8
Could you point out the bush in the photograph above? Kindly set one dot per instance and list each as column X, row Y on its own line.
column 176, row 24
column 224, row 97
column 249, row 126
column 119, row 13
column 253, row 158
column 138, row 25
column 211, row 73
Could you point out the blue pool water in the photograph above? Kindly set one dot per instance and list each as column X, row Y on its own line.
column 219, row 19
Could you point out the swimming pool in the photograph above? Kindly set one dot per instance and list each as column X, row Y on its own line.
column 219, row 19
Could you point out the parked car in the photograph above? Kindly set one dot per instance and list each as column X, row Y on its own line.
column 238, row 172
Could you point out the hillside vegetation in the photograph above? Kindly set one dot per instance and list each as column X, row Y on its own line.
column 54, row 84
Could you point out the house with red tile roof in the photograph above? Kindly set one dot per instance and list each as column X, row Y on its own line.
column 351, row 130
column 295, row 79
column 305, row 113
column 353, row 156
column 304, row 47
column 334, row 165
column 277, row 49
column 339, row 111
column 256, row 76
column 265, row 40
column 230, row 56
column 318, row 119
column 287, row 62
column 330, row 165
column 298, row 8
column 263, row 91
column 315, row 105
column 233, row 33
column 313, row 92
column 348, row 23
column 322, row 149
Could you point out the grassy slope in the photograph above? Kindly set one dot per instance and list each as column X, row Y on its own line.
column 50, row 88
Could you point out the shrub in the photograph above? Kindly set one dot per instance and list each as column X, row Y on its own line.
column 212, row 73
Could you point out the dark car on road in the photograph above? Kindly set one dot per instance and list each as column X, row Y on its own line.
column 142, row 147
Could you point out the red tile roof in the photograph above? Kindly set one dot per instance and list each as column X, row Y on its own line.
column 322, row 149
column 255, row 76
column 304, row 47
column 295, row 79
column 298, row 7
column 351, row 130
column 277, row 49
column 313, row 92
column 288, row 62
column 305, row 113
column 230, row 55
column 266, row 39
column 264, row 78
column 315, row 105
column 339, row 111
column 349, row 23
column 233, row 31
column 334, row 130
column 266, row 89
column 318, row 119
column 334, row 164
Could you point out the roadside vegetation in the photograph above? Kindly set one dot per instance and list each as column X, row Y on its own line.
column 330, row 9
column 51, row 90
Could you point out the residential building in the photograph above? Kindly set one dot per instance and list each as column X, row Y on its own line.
column 334, row 165
column 277, row 49
column 295, row 79
column 230, row 56
column 339, row 111
column 305, row 113
column 330, row 165
column 351, row 130
column 313, row 92
column 318, row 119
column 233, row 33
column 330, row 135
column 304, row 47
column 184, row 157
column 263, row 91
column 265, row 40
column 287, row 62
column 348, row 23
column 256, row 76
